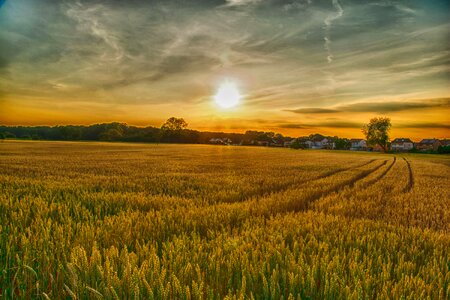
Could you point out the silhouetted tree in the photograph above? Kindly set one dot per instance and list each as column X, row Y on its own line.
column 171, row 130
column 377, row 132
column 174, row 124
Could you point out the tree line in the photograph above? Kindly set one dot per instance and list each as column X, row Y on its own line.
column 174, row 130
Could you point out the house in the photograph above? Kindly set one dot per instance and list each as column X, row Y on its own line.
column 358, row 144
column 308, row 144
column 276, row 143
column 220, row 141
column 377, row 148
column 445, row 142
column 428, row 145
column 289, row 143
column 328, row 144
column 402, row 144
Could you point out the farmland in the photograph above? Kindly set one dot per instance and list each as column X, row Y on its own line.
column 121, row 221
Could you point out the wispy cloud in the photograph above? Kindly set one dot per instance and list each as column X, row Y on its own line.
column 89, row 22
column 328, row 23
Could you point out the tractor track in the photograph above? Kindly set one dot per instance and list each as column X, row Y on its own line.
column 384, row 173
column 305, row 204
column 285, row 187
column 410, row 184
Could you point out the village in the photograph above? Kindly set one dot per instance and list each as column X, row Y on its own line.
column 317, row 141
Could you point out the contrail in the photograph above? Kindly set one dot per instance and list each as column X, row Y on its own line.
column 328, row 21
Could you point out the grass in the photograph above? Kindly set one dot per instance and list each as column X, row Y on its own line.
column 136, row 221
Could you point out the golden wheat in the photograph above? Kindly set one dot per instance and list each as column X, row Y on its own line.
column 122, row 221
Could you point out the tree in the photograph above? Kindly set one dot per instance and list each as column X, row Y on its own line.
column 2, row 136
column 174, row 124
column 9, row 135
column 111, row 134
column 377, row 132
column 342, row 144
column 171, row 130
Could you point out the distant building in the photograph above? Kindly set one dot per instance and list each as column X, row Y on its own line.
column 445, row 142
column 320, row 143
column 377, row 148
column 289, row 143
column 402, row 144
column 358, row 144
column 220, row 141
column 328, row 144
column 428, row 145
column 308, row 144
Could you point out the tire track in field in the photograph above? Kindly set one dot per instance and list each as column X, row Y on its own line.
column 367, row 183
column 284, row 187
column 305, row 204
column 410, row 184
column 384, row 173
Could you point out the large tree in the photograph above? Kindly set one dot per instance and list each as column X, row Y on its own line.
column 174, row 124
column 377, row 132
column 172, row 130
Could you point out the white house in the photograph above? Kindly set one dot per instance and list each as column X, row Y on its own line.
column 321, row 144
column 358, row 144
column 220, row 141
column 402, row 144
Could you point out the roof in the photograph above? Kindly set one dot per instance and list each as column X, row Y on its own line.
column 402, row 140
column 429, row 141
column 356, row 140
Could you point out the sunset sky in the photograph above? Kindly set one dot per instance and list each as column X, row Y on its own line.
column 302, row 66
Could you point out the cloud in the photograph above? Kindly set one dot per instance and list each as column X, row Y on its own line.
column 89, row 21
column 291, row 126
column 168, row 54
column 378, row 107
column 423, row 125
column 241, row 2
column 328, row 22
column 313, row 110
column 328, row 124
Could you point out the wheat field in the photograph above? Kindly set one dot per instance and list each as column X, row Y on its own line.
column 138, row 221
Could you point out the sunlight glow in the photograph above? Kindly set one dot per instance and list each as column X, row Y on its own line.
column 228, row 95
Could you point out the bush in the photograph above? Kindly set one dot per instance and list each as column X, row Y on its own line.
column 444, row 149
column 9, row 135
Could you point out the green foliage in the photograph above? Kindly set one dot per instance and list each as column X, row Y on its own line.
column 2, row 136
column 174, row 124
column 377, row 132
column 342, row 144
column 444, row 149
column 298, row 144
column 9, row 135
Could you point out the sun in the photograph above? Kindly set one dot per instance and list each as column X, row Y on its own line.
column 227, row 95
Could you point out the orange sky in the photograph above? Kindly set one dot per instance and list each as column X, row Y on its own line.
column 306, row 68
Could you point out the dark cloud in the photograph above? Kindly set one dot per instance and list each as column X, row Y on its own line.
column 378, row 107
column 423, row 125
column 313, row 110
column 386, row 107
column 329, row 124
column 291, row 126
